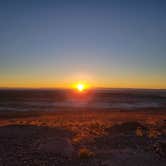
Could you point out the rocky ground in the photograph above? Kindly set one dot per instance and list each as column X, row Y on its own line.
column 85, row 139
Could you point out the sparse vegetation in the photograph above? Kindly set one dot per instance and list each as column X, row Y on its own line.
column 139, row 132
column 153, row 133
column 85, row 153
column 90, row 136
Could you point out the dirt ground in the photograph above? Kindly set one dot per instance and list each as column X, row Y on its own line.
column 86, row 138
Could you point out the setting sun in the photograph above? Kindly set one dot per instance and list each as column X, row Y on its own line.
column 80, row 87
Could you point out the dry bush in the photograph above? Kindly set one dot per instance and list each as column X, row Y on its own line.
column 85, row 153
column 139, row 132
column 153, row 133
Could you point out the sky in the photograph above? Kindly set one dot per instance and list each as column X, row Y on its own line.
column 105, row 43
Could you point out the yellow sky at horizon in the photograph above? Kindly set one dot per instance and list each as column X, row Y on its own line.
column 70, row 85
column 90, row 79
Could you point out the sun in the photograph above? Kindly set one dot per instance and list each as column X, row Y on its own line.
column 80, row 87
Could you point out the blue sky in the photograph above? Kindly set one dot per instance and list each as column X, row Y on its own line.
column 110, row 43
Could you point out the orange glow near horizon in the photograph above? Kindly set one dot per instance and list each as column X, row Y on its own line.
column 71, row 83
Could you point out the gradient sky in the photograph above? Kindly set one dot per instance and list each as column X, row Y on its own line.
column 108, row 43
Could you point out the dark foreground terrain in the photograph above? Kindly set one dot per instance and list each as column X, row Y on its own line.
column 85, row 138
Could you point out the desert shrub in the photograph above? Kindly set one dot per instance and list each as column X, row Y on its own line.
column 85, row 153
column 153, row 133
column 160, row 149
column 139, row 132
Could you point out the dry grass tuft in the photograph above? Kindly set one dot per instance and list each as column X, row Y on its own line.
column 85, row 153
column 139, row 132
column 153, row 133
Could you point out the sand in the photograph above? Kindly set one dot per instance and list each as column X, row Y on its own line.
column 80, row 137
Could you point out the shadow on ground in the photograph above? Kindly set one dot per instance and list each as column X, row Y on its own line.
column 125, row 144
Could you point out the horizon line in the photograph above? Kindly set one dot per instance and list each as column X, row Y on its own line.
column 95, row 88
